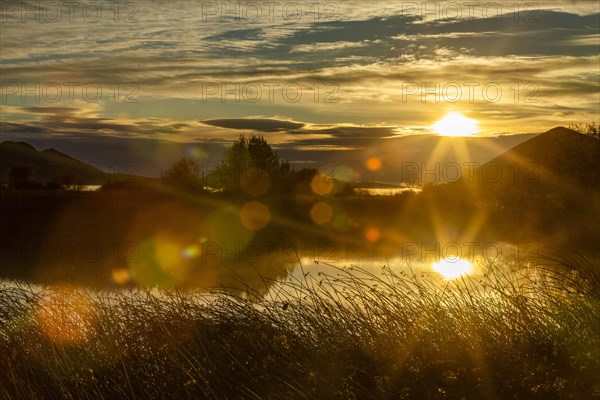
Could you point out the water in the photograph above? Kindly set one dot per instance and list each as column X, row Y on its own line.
column 393, row 191
column 266, row 277
column 90, row 188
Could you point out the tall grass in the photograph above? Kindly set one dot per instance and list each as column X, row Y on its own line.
column 348, row 334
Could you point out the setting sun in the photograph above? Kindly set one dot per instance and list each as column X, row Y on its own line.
column 453, row 267
column 455, row 124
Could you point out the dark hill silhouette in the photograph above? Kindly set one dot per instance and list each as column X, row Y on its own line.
column 546, row 187
column 560, row 160
column 50, row 164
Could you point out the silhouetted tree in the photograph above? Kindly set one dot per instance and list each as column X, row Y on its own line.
column 587, row 129
column 67, row 181
column 593, row 130
column 22, row 176
column 184, row 174
column 251, row 165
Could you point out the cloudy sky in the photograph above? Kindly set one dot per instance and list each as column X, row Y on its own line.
column 149, row 81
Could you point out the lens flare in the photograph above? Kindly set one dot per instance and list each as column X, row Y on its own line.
column 121, row 276
column 372, row 234
column 225, row 227
column 322, row 184
column 321, row 213
column 255, row 215
column 162, row 260
column 191, row 252
column 66, row 315
column 344, row 173
column 373, row 164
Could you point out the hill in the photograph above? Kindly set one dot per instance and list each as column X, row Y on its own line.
column 546, row 187
column 50, row 164
column 560, row 160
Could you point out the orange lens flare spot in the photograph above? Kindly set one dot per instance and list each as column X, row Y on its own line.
column 121, row 276
column 373, row 164
column 321, row 213
column 322, row 184
column 255, row 215
column 372, row 234
column 65, row 316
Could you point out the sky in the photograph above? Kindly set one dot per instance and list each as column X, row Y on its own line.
column 144, row 83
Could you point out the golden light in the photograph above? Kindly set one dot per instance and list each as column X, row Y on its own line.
column 453, row 267
column 225, row 227
column 321, row 213
column 373, row 164
column 372, row 234
column 121, row 275
column 167, row 253
column 66, row 315
column 255, row 215
column 191, row 252
column 322, row 184
column 455, row 124
column 161, row 260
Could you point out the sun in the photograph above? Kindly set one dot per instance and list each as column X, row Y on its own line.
column 453, row 267
column 455, row 124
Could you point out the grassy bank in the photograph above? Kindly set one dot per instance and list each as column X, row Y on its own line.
column 350, row 334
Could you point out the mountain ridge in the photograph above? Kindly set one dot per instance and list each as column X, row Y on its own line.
column 559, row 159
column 51, row 164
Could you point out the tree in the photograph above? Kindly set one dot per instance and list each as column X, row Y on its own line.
column 183, row 174
column 587, row 129
column 66, row 181
column 22, row 176
column 592, row 130
column 252, row 166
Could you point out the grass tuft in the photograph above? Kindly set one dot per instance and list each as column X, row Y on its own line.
column 349, row 334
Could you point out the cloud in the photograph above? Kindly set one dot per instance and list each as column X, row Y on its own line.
column 56, row 121
column 310, row 47
column 353, row 132
column 256, row 124
column 51, row 110
column 294, row 128
column 366, row 53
